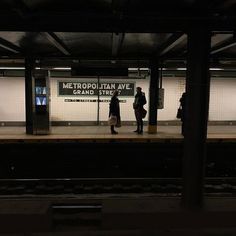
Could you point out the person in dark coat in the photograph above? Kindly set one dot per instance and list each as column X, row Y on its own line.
column 139, row 102
column 182, row 101
column 114, row 109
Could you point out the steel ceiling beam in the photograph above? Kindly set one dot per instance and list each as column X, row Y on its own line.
column 58, row 43
column 229, row 43
column 9, row 46
column 171, row 42
column 117, row 41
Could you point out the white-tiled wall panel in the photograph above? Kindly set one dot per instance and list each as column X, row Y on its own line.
column 223, row 99
column 12, row 99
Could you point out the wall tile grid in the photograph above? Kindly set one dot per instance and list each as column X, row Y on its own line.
column 12, row 99
column 12, row 105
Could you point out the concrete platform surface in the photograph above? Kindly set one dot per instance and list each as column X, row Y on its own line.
column 87, row 133
column 145, row 216
column 25, row 216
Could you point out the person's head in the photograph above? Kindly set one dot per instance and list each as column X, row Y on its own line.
column 138, row 89
column 115, row 93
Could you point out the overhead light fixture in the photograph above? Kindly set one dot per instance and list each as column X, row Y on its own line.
column 61, row 68
column 135, row 69
column 69, row 68
column 209, row 68
column 37, row 68
column 11, row 68
column 216, row 69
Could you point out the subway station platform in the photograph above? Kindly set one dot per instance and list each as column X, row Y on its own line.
column 93, row 152
column 102, row 134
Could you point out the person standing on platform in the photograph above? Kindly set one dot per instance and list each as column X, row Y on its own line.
column 182, row 101
column 139, row 102
column 114, row 110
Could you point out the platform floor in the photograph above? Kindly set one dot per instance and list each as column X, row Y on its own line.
column 103, row 133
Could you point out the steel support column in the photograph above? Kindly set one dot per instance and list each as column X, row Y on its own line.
column 197, row 106
column 153, row 97
column 29, row 65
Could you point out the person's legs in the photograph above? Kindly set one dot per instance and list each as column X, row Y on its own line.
column 113, row 130
column 137, row 120
column 182, row 128
column 137, row 130
column 141, row 126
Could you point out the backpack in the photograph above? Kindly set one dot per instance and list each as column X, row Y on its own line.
column 144, row 101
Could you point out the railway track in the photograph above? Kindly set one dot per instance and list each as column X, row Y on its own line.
column 12, row 187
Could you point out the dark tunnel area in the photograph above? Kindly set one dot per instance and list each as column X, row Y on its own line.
column 109, row 160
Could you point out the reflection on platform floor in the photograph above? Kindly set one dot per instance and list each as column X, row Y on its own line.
column 64, row 132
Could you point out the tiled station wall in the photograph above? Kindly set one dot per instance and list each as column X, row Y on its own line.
column 12, row 100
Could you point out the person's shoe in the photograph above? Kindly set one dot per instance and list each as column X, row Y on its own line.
column 136, row 131
column 140, row 132
column 114, row 132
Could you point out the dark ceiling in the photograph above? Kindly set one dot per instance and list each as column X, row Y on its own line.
column 121, row 32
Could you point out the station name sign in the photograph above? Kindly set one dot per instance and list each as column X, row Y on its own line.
column 94, row 89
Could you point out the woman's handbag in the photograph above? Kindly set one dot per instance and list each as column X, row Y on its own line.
column 143, row 113
column 179, row 113
column 118, row 123
column 112, row 120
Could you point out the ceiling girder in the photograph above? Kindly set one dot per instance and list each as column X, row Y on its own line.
column 170, row 43
column 9, row 46
column 58, row 43
column 117, row 41
column 224, row 45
